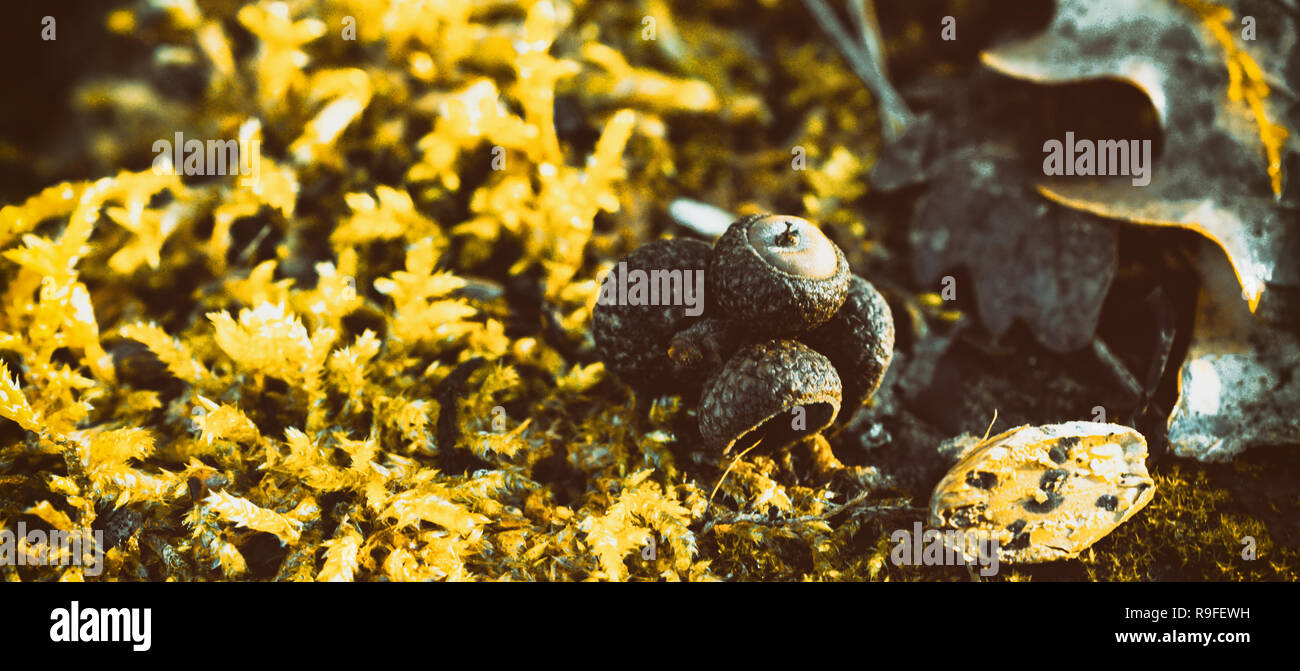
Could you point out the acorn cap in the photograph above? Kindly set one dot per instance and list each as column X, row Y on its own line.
column 631, row 331
column 778, row 274
column 859, row 340
column 756, row 395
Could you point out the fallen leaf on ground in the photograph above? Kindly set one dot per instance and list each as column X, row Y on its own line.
column 1238, row 386
column 1225, row 104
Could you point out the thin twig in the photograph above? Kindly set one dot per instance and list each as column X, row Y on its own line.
column 866, row 59
column 1166, row 326
column 247, row 252
column 990, row 428
column 729, row 467
column 757, row 518
column 1117, row 368
column 863, row 15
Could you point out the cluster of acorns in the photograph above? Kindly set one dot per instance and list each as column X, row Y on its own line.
column 786, row 335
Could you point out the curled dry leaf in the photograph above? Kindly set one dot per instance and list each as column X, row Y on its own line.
column 1238, row 385
column 1225, row 104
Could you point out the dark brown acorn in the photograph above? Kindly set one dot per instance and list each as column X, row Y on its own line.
column 632, row 333
column 698, row 350
column 773, row 391
column 778, row 274
column 859, row 340
column 769, row 280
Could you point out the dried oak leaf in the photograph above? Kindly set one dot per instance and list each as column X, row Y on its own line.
column 1224, row 102
column 1029, row 258
column 1042, row 263
column 1238, row 385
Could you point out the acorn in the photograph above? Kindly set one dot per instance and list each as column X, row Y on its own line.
column 632, row 324
column 778, row 274
column 859, row 341
column 773, row 392
column 698, row 350
column 786, row 336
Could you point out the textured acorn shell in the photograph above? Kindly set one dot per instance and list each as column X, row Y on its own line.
column 633, row 340
column 762, row 382
column 700, row 349
column 771, row 301
column 859, row 341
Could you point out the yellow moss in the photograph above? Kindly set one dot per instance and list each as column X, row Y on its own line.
column 341, row 555
column 245, row 513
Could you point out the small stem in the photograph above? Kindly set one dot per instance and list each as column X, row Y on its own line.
column 789, row 237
